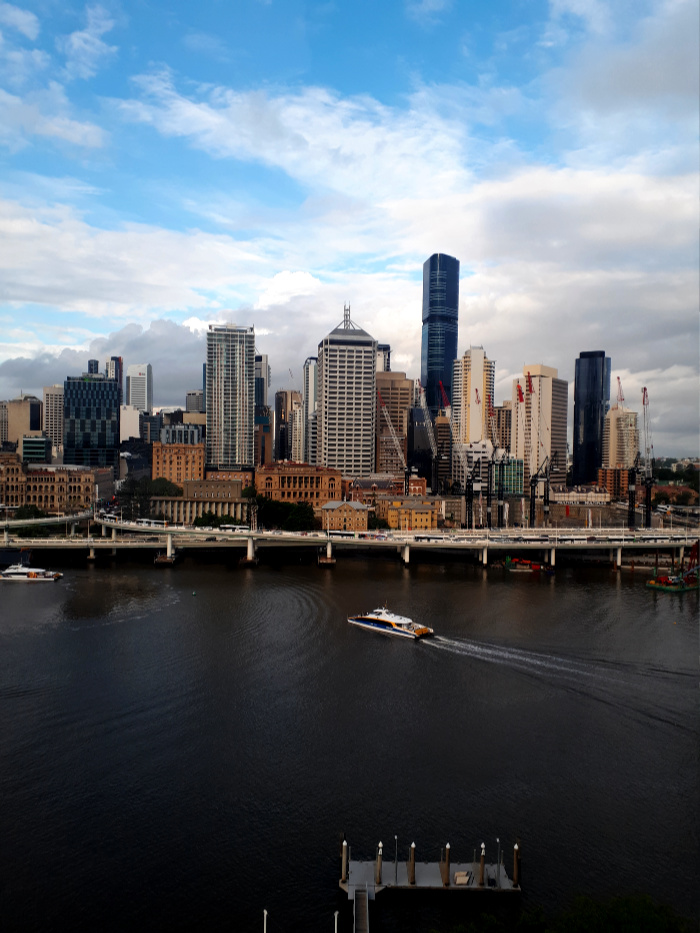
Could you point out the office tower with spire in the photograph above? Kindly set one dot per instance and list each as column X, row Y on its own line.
column 440, row 320
column 347, row 399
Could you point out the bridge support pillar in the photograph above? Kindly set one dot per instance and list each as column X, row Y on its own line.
column 104, row 531
column 406, row 554
column 681, row 554
column 91, row 554
column 250, row 553
column 6, row 535
column 72, row 529
column 618, row 558
column 485, row 556
column 553, row 556
column 329, row 550
column 169, row 550
column 114, row 534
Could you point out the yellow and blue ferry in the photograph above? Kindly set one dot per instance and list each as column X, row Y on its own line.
column 389, row 623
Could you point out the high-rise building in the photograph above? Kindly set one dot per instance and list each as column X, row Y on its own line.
column 114, row 370
column 620, row 439
column 286, row 400
column 440, row 321
column 295, row 432
column 474, row 377
column 194, row 400
column 263, row 375
column 308, row 454
column 24, row 419
column 504, row 417
column 591, row 404
column 3, row 422
column 139, row 387
column 540, row 407
column 347, row 399
column 383, row 358
column 53, row 415
column 397, row 394
column 91, row 421
column 230, row 396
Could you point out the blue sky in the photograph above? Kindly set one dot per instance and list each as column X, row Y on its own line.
column 164, row 166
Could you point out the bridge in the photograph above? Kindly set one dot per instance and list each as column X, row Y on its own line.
column 483, row 544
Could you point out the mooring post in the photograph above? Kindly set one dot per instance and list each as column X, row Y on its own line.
column 378, row 870
column 336, row 922
column 264, row 921
column 344, row 862
column 516, row 866
column 412, row 864
column 446, row 879
column 482, row 864
column 498, row 862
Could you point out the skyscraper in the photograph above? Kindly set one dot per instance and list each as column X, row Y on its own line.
column 440, row 320
column 540, row 407
column 347, row 399
column 308, row 453
column 262, row 378
column 114, row 370
column 620, row 439
column 230, row 395
column 139, row 386
column 53, row 415
column 91, row 421
column 397, row 394
column 591, row 404
column 472, row 389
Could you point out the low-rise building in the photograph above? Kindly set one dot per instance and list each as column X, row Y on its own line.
column 298, row 482
column 51, row 489
column 417, row 513
column 221, row 497
column 345, row 516
column 178, row 462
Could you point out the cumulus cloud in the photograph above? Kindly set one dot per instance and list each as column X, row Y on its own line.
column 84, row 49
column 22, row 20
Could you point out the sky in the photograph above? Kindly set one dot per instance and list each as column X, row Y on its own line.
column 164, row 166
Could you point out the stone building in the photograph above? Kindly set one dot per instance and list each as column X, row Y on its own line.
column 298, row 482
column 345, row 516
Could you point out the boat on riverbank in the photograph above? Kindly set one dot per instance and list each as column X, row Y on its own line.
column 389, row 623
column 682, row 582
column 23, row 574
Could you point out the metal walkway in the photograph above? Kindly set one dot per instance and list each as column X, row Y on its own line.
column 361, row 911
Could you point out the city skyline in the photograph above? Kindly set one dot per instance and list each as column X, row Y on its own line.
column 163, row 170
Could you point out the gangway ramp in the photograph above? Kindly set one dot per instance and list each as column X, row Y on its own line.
column 361, row 911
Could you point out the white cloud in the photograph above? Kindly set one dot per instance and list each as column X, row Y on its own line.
column 594, row 13
column 44, row 113
column 426, row 12
column 286, row 285
column 21, row 20
column 84, row 49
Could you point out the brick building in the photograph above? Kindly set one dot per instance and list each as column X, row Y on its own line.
column 298, row 482
column 51, row 489
column 345, row 516
column 178, row 462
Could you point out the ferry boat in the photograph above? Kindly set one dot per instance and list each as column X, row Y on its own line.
column 389, row 623
column 29, row 574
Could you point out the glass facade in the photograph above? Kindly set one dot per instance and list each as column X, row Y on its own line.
column 439, row 338
column 591, row 404
column 91, row 421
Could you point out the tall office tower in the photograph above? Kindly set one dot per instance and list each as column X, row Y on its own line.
column 230, row 396
column 285, row 402
column 397, row 394
column 3, row 422
column 139, row 387
column 204, row 385
column 114, row 369
column 620, row 439
column 53, row 415
column 24, row 419
column 93, row 367
column 296, row 432
column 91, row 421
column 591, row 404
column 194, row 400
column 474, row 378
column 263, row 376
column 383, row 358
column 504, row 420
column 540, row 407
column 347, row 399
column 440, row 320
column 308, row 452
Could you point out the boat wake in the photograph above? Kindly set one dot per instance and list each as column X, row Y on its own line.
column 622, row 685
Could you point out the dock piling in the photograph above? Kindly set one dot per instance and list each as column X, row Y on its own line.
column 344, row 863
column 412, row 864
column 482, row 864
column 446, row 878
column 378, row 870
column 516, row 865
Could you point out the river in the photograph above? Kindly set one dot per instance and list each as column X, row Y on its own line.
column 181, row 748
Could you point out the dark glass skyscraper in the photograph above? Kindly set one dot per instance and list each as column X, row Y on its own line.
column 439, row 339
column 91, row 421
column 591, row 404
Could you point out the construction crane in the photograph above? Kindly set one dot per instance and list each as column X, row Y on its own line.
column 431, row 438
column 631, row 473
column 459, row 447
column 397, row 444
column 496, row 462
column 543, row 472
column 648, row 459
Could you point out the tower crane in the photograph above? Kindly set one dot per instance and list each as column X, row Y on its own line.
column 431, row 437
column 498, row 462
column 648, row 459
column 468, row 473
column 397, row 444
column 632, row 472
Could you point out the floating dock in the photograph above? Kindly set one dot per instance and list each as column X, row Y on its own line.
column 379, row 875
